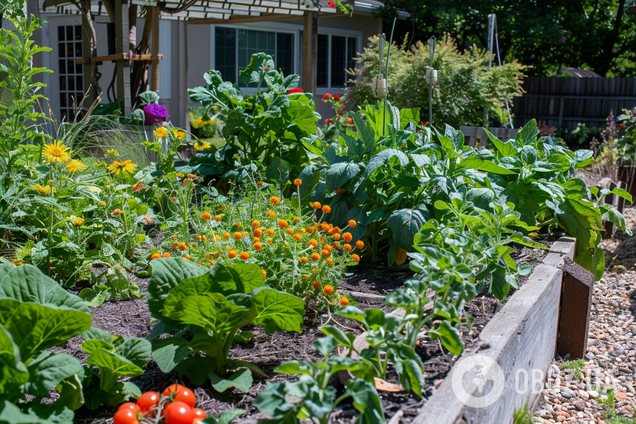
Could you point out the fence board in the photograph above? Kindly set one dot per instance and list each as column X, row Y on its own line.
column 564, row 102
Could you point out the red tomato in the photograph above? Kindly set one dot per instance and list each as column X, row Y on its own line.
column 128, row 405
column 199, row 414
column 178, row 413
column 147, row 401
column 126, row 416
column 182, row 394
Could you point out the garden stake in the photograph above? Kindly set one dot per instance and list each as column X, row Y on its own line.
column 386, row 74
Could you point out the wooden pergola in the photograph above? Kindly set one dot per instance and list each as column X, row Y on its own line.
column 193, row 12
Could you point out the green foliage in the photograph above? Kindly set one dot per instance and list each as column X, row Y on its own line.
column 522, row 415
column 111, row 284
column 317, row 398
column 37, row 314
column 576, row 366
column 214, row 304
column 466, row 84
column 262, row 131
column 114, row 357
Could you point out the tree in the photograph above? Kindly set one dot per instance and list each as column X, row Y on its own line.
column 544, row 34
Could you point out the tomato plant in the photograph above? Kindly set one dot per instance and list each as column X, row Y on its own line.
column 180, row 393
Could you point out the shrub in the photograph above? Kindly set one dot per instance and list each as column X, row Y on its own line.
column 466, row 84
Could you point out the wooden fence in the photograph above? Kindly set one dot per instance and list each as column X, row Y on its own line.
column 564, row 102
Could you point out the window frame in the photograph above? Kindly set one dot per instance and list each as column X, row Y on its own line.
column 297, row 30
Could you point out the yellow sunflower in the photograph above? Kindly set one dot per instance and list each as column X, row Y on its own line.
column 56, row 152
column 180, row 135
column 43, row 190
column 202, row 145
column 112, row 152
column 161, row 132
column 75, row 165
column 122, row 167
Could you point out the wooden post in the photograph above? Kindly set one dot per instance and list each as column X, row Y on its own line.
column 310, row 51
column 87, row 51
column 123, row 66
column 154, row 77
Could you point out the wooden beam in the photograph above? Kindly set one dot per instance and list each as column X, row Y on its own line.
column 87, row 51
column 122, row 66
column 154, row 77
column 310, row 51
column 116, row 57
column 264, row 17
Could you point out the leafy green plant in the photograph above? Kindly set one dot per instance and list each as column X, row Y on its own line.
column 263, row 131
column 111, row 284
column 576, row 366
column 317, row 399
column 522, row 415
column 37, row 314
column 214, row 304
column 114, row 357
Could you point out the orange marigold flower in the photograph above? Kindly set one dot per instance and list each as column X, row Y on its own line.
column 194, row 245
column 259, row 183
column 352, row 223
column 212, row 263
column 316, row 205
column 174, row 238
column 245, row 233
column 302, row 231
column 181, row 245
column 174, row 199
column 296, row 219
column 217, row 254
column 326, row 209
column 257, row 239
column 238, row 225
column 186, row 257
column 232, row 254
column 264, row 273
column 347, row 247
column 355, row 257
column 310, row 229
column 360, row 244
column 317, row 285
column 282, row 223
column 314, row 270
column 258, row 245
column 328, row 247
column 271, row 214
column 155, row 255
column 275, row 200
column 290, row 231
column 101, row 203
column 347, row 237
column 218, row 218
column 206, row 215
column 256, row 224
column 245, row 256
column 271, row 232
column 336, row 245
column 336, row 236
column 174, row 247
column 238, row 235
column 304, row 259
column 325, row 226
column 313, row 243
column 116, row 212
column 298, row 237
column 329, row 261
column 328, row 289
column 340, row 190
column 344, row 301
column 208, row 256
column 269, row 240
column 166, row 255
column 258, row 232
column 204, row 238
column 226, row 235
column 298, row 182
column 324, row 252
column 315, row 257
column 148, row 220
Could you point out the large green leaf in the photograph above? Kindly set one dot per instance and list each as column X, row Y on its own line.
column 35, row 327
column 247, row 277
column 485, row 166
column 135, row 350
column 528, row 133
column 505, row 148
column 48, row 370
column 277, row 310
column 366, row 400
column 382, row 158
column 365, row 131
column 11, row 414
column 211, row 312
column 339, row 174
column 28, row 284
column 12, row 372
column 167, row 273
column 404, row 224
column 242, row 380
column 258, row 62
column 169, row 352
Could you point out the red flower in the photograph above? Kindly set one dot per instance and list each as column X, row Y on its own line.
column 336, row 97
column 622, row 126
column 327, row 121
column 331, row 4
column 295, row 90
column 350, row 121
column 325, row 97
column 340, row 110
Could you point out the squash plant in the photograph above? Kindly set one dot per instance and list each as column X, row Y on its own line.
column 213, row 305
column 543, row 188
column 262, row 130
column 37, row 314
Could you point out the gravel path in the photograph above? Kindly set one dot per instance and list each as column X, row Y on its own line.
column 601, row 389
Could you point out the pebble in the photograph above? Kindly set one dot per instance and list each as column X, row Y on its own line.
column 610, row 360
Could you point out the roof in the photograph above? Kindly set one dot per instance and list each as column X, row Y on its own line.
column 580, row 73
column 219, row 9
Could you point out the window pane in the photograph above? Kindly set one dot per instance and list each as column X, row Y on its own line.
column 285, row 53
column 62, row 69
column 62, row 83
column 323, row 61
column 60, row 33
column 62, row 49
column 69, row 33
column 225, row 53
column 352, row 48
column 78, row 49
column 338, row 60
column 78, row 33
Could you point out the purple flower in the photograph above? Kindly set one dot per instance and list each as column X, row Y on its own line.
column 155, row 113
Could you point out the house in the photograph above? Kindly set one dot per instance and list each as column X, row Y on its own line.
column 204, row 35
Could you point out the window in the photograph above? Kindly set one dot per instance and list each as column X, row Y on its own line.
column 234, row 48
column 341, row 50
column 71, row 74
